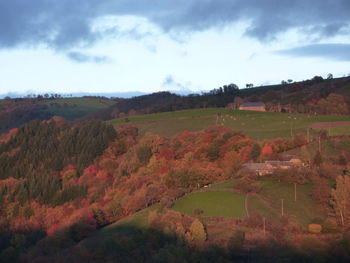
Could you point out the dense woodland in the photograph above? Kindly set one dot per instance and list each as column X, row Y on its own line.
column 61, row 182
column 15, row 112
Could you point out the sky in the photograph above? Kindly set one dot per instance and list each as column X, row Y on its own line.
column 106, row 46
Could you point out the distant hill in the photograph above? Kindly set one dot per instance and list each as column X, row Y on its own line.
column 127, row 94
column 309, row 96
column 15, row 112
column 297, row 97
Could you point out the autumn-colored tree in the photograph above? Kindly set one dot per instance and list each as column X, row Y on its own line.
column 231, row 163
column 341, row 199
column 342, row 160
column 299, row 140
column 255, row 153
column 198, row 232
column 334, row 103
column 318, row 159
column 267, row 150
column 321, row 190
column 247, row 185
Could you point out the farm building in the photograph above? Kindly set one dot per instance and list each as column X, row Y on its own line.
column 258, row 168
column 292, row 159
column 253, row 106
column 269, row 166
column 279, row 164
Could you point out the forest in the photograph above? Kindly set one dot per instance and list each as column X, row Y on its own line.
column 62, row 183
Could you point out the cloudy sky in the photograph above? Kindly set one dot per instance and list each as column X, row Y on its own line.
column 149, row 45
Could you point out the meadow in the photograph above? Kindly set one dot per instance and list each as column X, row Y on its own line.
column 219, row 204
column 257, row 125
column 219, row 201
column 74, row 108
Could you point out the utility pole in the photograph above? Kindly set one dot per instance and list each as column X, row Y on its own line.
column 319, row 143
column 308, row 134
column 295, row 192
column 264, row 226
column 282, row 207
column 246, row 205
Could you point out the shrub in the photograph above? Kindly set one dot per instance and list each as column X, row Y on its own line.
column 198, row 232
column 247, row 185
column 315, row 228
column 197, row 211
column 166, row 202
column 330, row 225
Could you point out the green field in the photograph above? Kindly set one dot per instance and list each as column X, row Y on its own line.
column 73, row 108
column 301, row 212
column 219, row 201
column 258, row 125
column 219, row 204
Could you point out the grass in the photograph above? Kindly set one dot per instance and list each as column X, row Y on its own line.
column 301, row 212
column 329, row 149
column 340, row 130
column 258, row 125
column 74, row 108
column 220, row 204
column 219, row 201
column 138, row 220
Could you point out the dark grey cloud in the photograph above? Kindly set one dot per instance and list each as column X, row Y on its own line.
column 340, row 52
column 85, row 58
column 63, row 24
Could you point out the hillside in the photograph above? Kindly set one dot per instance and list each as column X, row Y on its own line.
column 75, row 108
column 298, row 97
column 310, row 96
column 170, row 186
column 74, row 188
column 15, row 112
column 258, row 125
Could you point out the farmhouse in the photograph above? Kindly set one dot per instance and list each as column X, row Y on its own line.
column 269, row 166
column 258, row 168
column 253, row 106
column 292, row 159
column 279, row 164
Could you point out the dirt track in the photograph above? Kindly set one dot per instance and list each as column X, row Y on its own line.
column 319, row 125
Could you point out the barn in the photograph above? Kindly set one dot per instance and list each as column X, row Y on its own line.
column 253, row 106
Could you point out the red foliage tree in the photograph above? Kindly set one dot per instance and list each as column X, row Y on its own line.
column 267, row 150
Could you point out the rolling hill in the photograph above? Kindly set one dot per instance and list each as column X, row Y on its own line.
column 258, row 125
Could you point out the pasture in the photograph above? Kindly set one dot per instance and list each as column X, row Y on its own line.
column 219, row 204
column 74, row 108
column 257, row 125
column 219, row 201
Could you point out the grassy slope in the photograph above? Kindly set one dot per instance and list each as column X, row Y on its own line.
column 329, row 149
column 268, row 203
column 221, row 204
column 218, row 201
column 258, row 125
column 137, row 221
column 73, row 108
